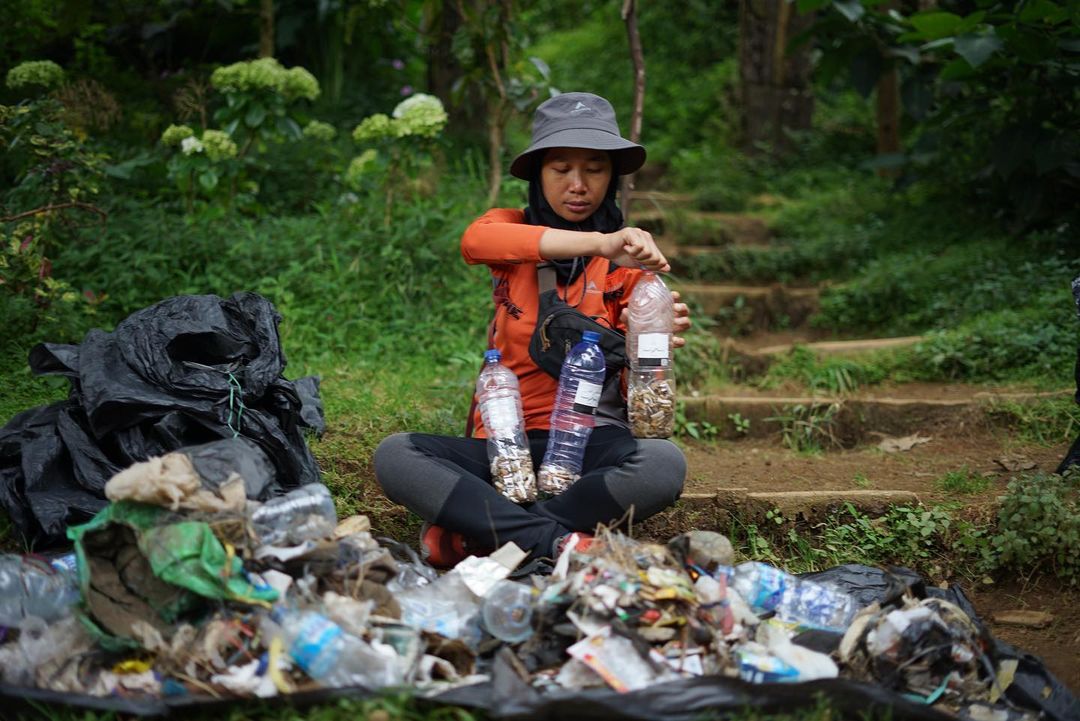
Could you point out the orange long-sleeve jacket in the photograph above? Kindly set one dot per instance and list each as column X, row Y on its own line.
column 501, row 240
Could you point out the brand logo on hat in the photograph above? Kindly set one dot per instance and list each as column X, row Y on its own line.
column 581, row 108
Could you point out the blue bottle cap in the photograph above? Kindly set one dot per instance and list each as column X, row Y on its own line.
column 591, row 336
column 492, row 354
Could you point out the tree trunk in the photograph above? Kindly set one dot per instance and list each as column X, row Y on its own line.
column 775, row 83
column 888, row 117
column 637, row 57
column 495, row 147
column 444, row 70
column 888, row 110
column 266, row 28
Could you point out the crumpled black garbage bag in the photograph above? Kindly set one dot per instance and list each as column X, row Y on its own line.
column 185, row 371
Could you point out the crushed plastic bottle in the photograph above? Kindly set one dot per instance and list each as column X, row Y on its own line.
column 499, row 397
column 581, row 381
column 507, row 611
column 817, row 605
column 762, row 586
column 29, row 587
column 304, row 514
column 333, row 657
column 795, row 600
column 651, row 383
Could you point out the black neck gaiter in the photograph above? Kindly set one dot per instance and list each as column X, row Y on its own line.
column 607, row 219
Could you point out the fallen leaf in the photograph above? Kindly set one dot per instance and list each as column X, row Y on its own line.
column 1015, row 463
column 903, row 443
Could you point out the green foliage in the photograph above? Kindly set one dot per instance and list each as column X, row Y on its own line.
column 808, row 428
column 833, row 375
column 318, row 130
column 698, row 430
column 991, row 93
column 54, row 179
column 1039, row 527
column 403, row 157
column 257, row 115
column 739, row 423
column 41, row 73
column 964, row 481
column 1049, row 421
column 689, row 93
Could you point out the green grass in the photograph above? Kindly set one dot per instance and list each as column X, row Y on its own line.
column 963, row 481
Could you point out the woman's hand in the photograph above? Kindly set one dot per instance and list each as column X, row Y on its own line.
column 682, row 320
column 634, row 248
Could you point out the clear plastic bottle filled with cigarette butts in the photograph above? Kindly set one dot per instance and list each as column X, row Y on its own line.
column 499, row 397
column 651, row 383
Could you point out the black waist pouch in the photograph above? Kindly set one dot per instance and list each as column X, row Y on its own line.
column 559, row 328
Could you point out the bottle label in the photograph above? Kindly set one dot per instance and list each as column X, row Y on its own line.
column 653, row 350
column 587, row 397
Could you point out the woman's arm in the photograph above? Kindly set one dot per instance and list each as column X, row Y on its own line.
column 632, row 247
column 500, row 236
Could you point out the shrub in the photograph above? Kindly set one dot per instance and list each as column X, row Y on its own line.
column 1039, row 527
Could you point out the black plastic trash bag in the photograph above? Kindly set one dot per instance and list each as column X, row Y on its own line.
column 185, row 371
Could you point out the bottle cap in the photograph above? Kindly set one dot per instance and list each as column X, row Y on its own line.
column 492, row 354
column 590, row 336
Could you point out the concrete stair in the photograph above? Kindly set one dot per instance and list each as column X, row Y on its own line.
column 844, row 422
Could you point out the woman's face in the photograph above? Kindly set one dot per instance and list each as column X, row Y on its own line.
column 575, row 181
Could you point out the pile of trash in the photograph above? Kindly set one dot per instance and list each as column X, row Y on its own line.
column 182, row 589
column 185, row 371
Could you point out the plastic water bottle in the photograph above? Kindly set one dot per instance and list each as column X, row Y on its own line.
column 762, row 586
column 499, row 396
column 581, row 381
column 651, row 385
column 508, row 610
column 795, row 600
column 304, row 514
column 29, row 587
column 333, row 657
column 817, row 605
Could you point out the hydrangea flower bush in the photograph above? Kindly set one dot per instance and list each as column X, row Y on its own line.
column 41, row 73
column 260, row 100
column 401, row 146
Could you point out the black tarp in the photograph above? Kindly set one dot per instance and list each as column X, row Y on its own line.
column 183, row 372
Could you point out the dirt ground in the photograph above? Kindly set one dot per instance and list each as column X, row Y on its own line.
column 1058, row 645
column 762, row 465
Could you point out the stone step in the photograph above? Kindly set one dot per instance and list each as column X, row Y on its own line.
column 741, row 309
column 824, row 348
column 653, row 198
column 800, row 505
column 844, row 422
column 704, row 228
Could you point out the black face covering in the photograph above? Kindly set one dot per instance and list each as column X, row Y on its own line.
column 607, row 219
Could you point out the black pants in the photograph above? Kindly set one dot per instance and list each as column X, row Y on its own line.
column 447, row 481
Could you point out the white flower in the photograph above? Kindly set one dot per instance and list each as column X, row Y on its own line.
column 191, row 145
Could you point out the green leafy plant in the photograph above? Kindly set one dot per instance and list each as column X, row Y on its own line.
column 740, row 423
column 808, row 428
column 1000, row 72
column 53, row 179
column 963, row 481
column 1038, row 527
column 258, row 112
column 401, row 149
column 701, row 430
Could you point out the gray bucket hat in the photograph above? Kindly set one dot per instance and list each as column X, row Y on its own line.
column 577, row 120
